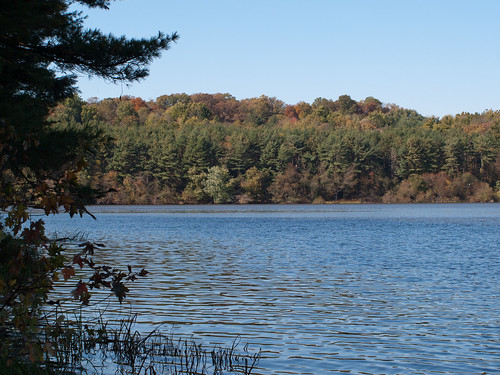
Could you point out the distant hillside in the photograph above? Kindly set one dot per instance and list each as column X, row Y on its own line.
column 212, row 148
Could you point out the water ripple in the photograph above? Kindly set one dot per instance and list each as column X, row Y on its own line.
column 370, row 289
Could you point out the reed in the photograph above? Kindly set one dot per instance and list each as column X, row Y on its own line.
column 76, row 346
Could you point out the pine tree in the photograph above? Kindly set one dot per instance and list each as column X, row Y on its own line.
column 43, row 46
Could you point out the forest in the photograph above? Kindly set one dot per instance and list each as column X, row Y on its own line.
column 213, row 148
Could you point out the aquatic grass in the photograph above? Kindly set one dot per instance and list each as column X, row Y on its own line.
column 76, row 346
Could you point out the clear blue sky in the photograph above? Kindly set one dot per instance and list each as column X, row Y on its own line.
column 435, row 56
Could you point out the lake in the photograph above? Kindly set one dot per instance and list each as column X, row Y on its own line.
column 371, row 289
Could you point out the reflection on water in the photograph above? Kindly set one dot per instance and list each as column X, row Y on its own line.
column 378, row 289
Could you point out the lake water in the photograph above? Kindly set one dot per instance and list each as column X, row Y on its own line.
column 362, row 289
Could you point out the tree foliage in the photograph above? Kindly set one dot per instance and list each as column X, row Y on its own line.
column 43, row 46
column 325, row 151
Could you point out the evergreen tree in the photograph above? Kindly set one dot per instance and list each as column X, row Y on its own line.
column 43, row 45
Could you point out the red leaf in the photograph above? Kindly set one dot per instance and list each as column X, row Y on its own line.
column 68, row 272
column 78, row 260
column 82, row 293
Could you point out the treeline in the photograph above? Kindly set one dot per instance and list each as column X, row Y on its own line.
column 212, row 148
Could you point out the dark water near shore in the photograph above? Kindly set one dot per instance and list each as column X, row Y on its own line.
column 377, row 289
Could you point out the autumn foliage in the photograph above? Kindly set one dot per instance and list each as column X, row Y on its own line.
column 213, row 148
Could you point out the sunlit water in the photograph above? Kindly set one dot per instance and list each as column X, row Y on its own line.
column 377, row 289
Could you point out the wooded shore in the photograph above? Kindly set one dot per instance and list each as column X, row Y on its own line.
column 213, row 148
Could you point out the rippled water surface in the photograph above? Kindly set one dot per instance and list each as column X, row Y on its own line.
column 377, row 289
